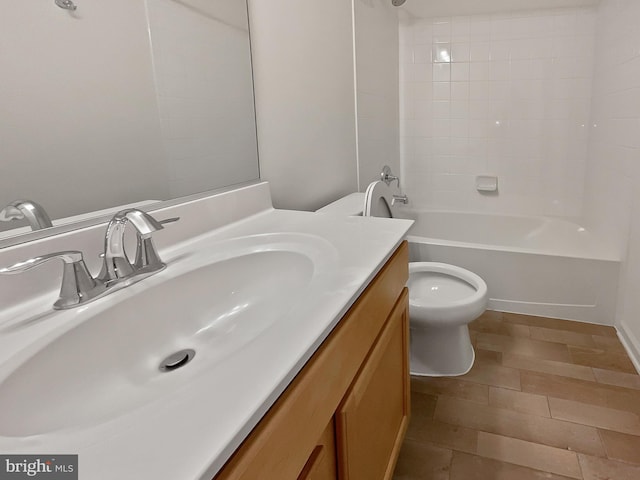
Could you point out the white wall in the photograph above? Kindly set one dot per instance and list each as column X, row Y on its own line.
column 376, row 50
column 304, row 86
column 503, row 94
column 612, row 199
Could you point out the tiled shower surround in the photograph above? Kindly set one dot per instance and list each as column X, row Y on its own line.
column 504, row 94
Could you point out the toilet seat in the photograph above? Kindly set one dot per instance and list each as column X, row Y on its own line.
column 378, row 200
column 461, row 295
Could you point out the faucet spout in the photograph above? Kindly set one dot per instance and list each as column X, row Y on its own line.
column 116, row 263
column 32, row 211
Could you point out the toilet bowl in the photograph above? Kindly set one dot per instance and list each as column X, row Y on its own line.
column 443, row 299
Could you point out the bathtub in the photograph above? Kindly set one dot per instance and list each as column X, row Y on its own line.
column 532, row 265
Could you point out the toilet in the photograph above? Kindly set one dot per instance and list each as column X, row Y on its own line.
column 443, row 298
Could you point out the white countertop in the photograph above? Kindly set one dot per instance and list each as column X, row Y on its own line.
column 190, row 433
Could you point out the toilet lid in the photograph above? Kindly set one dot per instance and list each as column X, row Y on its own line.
column 378, row 200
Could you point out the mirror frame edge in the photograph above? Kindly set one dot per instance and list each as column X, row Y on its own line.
column 103, row 219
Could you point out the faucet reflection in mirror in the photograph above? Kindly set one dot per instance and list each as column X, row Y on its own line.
column 79, row 287
column 32, row 211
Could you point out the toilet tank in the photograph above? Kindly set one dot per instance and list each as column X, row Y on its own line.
column 351, row 205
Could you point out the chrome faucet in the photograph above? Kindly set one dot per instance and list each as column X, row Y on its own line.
column 116, row 265
column 79, row 287
column 33, row 212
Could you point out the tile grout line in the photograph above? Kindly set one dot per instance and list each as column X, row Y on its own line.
column 580, row 464
column 604, row 446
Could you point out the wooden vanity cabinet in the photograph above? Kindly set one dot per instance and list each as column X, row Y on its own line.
column 346, row 412
column 321, row 464
column 373, row 417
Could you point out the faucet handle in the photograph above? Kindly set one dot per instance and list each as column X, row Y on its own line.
column 78, row 286
column 387, row 177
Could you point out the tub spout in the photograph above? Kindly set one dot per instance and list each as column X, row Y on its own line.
column 399, row 199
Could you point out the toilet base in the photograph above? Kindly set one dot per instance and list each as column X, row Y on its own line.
column 441, row 352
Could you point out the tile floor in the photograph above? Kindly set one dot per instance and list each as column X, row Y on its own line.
column 546, row 399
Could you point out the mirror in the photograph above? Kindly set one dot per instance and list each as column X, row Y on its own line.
column 122, row 102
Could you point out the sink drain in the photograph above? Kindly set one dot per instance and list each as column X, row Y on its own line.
column 177, row 360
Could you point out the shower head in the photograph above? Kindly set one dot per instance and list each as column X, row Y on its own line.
column 397, row 3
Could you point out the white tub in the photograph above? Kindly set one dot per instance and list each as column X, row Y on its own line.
column 532, row 265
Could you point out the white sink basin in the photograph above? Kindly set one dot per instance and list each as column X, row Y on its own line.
column 109, row 364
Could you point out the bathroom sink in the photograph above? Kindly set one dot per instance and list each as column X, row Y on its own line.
column 154, row 342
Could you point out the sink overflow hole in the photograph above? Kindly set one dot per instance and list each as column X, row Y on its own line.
column 177, row 360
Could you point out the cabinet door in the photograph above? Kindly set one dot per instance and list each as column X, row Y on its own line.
column 373, row 417
column 322, row 461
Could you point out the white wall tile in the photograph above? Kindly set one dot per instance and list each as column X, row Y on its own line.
column 441, row 72
column 511, row 95
column 460, row 52
column 460, row 72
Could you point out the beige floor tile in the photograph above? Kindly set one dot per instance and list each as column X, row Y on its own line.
column 519, row 401
column 473, row 467
column 621, row 446
column 603, row 469
column 547, row 366
column 491, row 315
column 532, row 428
column 598, row 358
column 421, row 461
column 609, row 343
column 497, row 326
column 563, row 336
column 493, row 374
column 528, row 454
column 524, row 346
column 488, row 357
column 596, row 416
column 569, row 325
column 541, row 391
column 620, row 379
column 618, row 398
column 443, row 434
column 451, row 387
column 422, row 405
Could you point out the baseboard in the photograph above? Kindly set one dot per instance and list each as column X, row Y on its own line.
column 581, row 313
column 630, row 343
